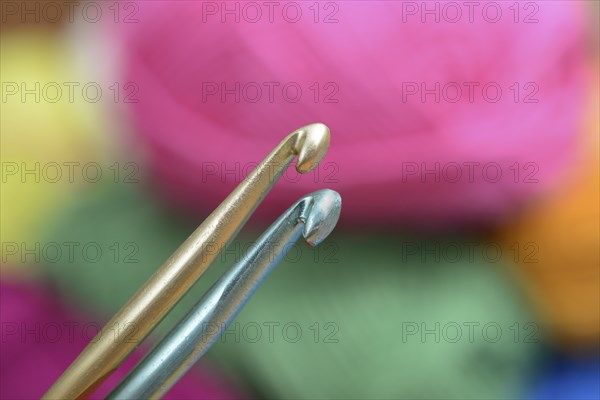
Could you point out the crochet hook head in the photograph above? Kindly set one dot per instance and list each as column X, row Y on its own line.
column 312, row 142
column 173, row 279
column 323, row 215
column 313, row 217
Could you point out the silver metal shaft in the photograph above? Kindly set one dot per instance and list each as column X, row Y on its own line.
column 314, row 217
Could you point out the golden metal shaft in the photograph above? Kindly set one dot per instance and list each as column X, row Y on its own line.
column 136, row 319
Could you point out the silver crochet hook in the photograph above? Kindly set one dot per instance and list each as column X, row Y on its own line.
column 314, row 217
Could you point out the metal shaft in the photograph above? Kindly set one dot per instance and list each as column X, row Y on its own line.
column 136, row 319
column 210, row 317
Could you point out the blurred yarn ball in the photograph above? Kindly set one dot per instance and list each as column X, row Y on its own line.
column 50, row 133
column 353, row 319
column 40, row 338
column 216, row 97
column 570, row 379
column 561, row 236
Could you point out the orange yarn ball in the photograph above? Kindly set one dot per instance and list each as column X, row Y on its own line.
column 563, row 235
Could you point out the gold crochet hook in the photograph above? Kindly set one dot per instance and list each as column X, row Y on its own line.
column 136, row 319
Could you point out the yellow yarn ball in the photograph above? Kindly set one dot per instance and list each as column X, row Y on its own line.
column 42, row 130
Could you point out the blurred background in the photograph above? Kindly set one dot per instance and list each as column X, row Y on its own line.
column 465, row 141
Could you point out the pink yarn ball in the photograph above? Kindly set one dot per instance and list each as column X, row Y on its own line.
column 40, row 338
column 364, row 70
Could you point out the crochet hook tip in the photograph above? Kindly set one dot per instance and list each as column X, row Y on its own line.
column 323, row 215
column 311, row 145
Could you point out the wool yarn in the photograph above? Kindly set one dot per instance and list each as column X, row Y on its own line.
column 569, row 378
column 366, row 321
column 51, row 134
column 410, row 142
column 559, row 239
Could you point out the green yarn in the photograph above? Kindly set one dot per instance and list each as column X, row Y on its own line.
column 370, row 299
column 135, row 236
column 354, row 300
